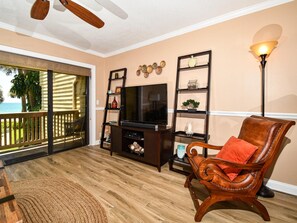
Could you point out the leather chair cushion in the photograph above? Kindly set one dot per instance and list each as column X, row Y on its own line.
column 238, row 151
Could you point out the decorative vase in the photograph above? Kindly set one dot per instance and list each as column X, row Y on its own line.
column 189, row 130
column 114, row 103
column 181, row 150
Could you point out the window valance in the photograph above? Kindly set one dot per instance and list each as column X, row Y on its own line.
column 17, row 60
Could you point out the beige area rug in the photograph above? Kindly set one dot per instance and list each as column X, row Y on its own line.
column 56, row 200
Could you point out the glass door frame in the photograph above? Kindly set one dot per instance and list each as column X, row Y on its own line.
column 50, row 117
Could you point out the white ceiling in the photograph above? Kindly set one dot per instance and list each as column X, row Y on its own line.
column 148, row 21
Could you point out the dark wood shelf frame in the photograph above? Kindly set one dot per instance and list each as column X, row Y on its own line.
column 113, row 94
column 201, row 114
column 195, row 136
column 192, row 112
column 175, row 162
column 103, row 143
column 119, row 78
column 113, row 109
column 186, row 90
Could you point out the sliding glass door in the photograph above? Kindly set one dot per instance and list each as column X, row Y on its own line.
column 69, row 111
column 55, row 119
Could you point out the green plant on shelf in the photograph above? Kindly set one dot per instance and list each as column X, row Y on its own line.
column 191, row 104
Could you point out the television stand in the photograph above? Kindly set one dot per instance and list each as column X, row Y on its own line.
column 156, row 144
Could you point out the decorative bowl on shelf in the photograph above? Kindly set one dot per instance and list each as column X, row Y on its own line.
column 189, row 108
column 192, row 84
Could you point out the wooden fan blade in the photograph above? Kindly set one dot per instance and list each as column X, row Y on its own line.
column 40, row 9
column 83, row 13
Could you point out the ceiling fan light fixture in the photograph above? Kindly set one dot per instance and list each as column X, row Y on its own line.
column 113, row 8
column 58, row 6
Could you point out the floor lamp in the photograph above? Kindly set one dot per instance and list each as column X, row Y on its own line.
column 262, row 51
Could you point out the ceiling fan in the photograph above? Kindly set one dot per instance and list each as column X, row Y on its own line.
column 40, row 10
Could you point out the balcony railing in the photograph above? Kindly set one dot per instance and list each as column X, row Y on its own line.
column 19, row 130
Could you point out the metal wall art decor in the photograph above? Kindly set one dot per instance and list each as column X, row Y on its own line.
column 148, row 69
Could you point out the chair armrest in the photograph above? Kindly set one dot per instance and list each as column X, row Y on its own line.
column 242, row 166
column 193, row 152
column 209, row 167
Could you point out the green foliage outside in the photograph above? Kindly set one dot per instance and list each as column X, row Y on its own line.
column 1, row 95
column 25, row 85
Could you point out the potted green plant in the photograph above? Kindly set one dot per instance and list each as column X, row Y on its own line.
column 191, row 104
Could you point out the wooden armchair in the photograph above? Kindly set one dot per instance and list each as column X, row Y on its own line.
column 267, row 135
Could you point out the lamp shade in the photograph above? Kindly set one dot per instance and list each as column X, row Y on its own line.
column 263, row 48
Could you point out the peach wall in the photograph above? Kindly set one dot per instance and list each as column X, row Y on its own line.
column 235, row 74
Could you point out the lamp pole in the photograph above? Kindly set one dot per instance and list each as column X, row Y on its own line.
column 264, row 190
column 263, row 63
column 262, row 50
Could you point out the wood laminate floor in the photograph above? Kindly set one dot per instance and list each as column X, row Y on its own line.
column 134, row 192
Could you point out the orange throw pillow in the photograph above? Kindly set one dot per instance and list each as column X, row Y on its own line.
column 238, row 151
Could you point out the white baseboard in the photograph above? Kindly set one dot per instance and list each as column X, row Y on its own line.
column 281, row 187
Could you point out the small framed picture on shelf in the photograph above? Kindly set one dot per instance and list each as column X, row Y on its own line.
column 118, row 90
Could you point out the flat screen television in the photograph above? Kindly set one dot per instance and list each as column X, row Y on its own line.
column 144, row 104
